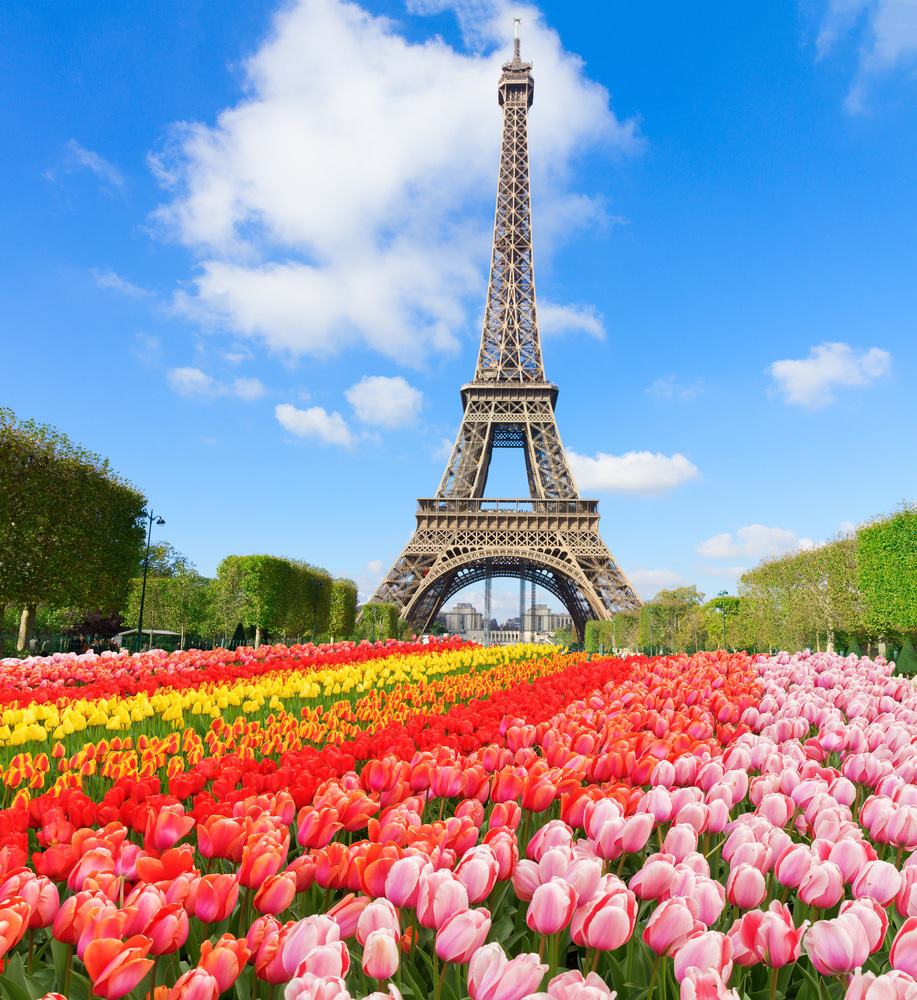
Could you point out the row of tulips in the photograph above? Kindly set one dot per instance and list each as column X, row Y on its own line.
column 712, row 826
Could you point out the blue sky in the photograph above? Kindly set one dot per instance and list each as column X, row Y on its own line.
column 246, row 248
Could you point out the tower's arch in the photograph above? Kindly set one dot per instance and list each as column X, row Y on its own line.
column 555, row 575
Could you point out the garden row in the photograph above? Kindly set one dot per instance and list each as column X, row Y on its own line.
column 709, row 826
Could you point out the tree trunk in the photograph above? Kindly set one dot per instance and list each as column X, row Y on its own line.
column 26, row 623
column 829, row 641
column 882, row 646
column 181, row 645
column 257, row 636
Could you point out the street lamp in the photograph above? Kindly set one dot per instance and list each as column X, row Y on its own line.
column 721, row 609
column 153, row 519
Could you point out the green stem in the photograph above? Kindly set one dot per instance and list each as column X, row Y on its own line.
column 773, row 984
column 649, row 992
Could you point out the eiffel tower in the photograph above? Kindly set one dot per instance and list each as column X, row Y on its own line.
column 550, row 538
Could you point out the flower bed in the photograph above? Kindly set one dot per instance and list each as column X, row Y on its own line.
column 463, row 822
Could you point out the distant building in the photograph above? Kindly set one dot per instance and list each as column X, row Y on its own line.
column 462, row 618
column 540, row 618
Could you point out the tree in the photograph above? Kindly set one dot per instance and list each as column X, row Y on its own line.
column 886, row 557
column 378, row 620
column 70, row 531
column 258, row 587
column 343, row 608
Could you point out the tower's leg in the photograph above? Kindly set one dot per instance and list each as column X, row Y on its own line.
column 488, row 582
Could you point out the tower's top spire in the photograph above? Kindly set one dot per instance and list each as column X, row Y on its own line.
column 516, row 56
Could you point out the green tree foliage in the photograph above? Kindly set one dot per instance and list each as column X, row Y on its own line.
column 343, row 609
column 378, row 620
column 620, row 632
column 886, row 563
column 70, row 531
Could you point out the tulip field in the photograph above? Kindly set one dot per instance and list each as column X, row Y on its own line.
column 440, row 821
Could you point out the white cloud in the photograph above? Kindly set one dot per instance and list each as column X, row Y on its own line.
column 314, row 422
column 633, row 472
column 649, row 582
column 113, row 281
column 756, row 541
column 147, row 348
column 670, row 387
column 78, row 157
column 346, row 197
column 443, row 451
column 385, row 402
column 368, row 579
column 555, row 319
column 192, row 383
column 887, row 39
column 811, row 382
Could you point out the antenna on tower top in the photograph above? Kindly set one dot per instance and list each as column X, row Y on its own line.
column 516, row 37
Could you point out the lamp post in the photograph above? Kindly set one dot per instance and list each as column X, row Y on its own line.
column 152, row 519
column 721, row 608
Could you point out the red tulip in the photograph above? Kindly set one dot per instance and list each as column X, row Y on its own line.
column 213, row 897
column 276, row 893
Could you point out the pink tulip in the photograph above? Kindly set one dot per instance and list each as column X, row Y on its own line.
column 822, row 886
column 195, row 984
column 837, row 946
column 655, row 878
column 477, row 871
column 671, row 924
column 585, row 876
column 309, row 987
column 346, row 913
column 572, row 986
column 872, row 916
column 745, row 887
column 380, row 954
column 491, row 976
column 402, row 884
column 888, row 986
column 793, row 866
column 705, row 985
column 903, row 954
column 636, row 832
column 326, row 960
column 707, row 950
column 379, row 915
column 460, row 936
column 851, row 855
column 606, row 921
column 680, row 840
column 878, row 880
column 439, row 898
column 551, row 907
column 305, row 935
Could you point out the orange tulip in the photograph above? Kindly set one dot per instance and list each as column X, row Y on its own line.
column 15, row 914
column 116, row 967
column 225, row 959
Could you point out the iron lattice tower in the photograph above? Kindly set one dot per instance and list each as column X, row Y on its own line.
column 551, row 537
